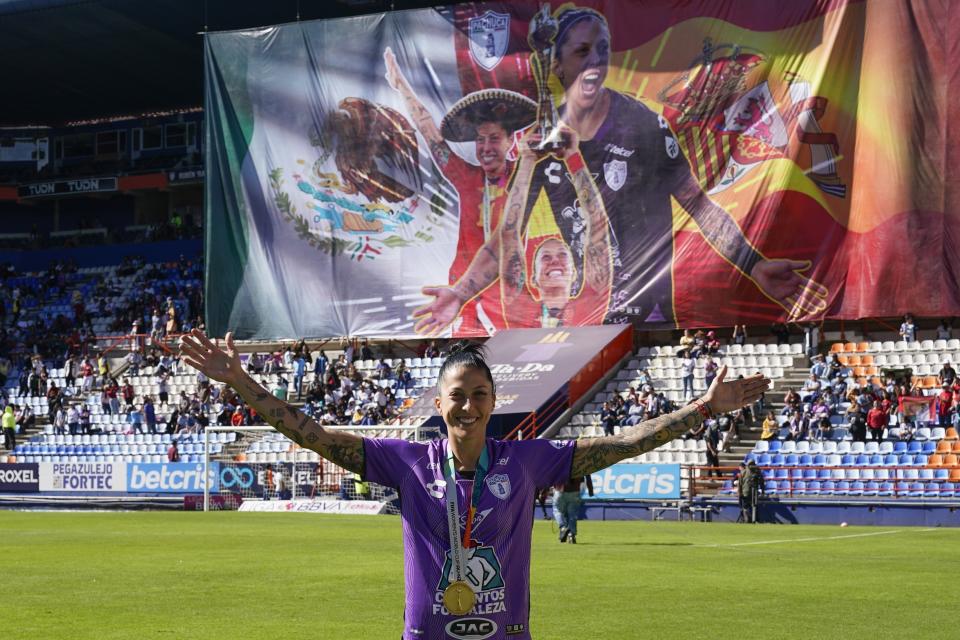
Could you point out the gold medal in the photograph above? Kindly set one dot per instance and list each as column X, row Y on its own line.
column 459, row 598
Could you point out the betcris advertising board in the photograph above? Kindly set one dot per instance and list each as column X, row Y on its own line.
column 172, row 477
column 632, row 481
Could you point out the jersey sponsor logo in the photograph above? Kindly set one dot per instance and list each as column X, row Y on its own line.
column 478, row 517
column 552, row 171
column 484, row 575
column 499, row 485
column 615, row 174
column 673, row 147
column 471, row 628
column 513, row 629
column 436, row 488
column 489, row 35
column 620, row 151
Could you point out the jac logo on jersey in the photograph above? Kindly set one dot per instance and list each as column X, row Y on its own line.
column 472, row 628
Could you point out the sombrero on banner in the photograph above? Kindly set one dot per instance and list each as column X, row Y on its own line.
column 511, row 109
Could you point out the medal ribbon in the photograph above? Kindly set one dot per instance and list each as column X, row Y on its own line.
column 457, row 546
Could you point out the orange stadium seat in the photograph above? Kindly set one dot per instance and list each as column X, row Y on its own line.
column 852, row 361
column 836, row 347
column 950, row 460
column 863, row 346
column 860, row 372
column 943, row 446
column 935, row 460
column 951, row 434
column 844, row 360
column 955, row 447
column 866, row 360
column 929, row 382
column 849, row 347
column 955, row 474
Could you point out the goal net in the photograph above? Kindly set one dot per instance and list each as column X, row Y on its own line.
column 259, row 463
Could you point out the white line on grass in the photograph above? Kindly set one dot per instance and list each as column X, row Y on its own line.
column 817, row 539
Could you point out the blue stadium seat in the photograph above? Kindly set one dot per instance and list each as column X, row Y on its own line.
column 942, row 474
column 782, row 474
column 929, row 447
column 856, row 489
column 819, row 460
column 891, row 460
column 926, row 474
column 809, row 474
column 777, row 460
column 863, row 460
column 916, row 490
column 849, row 460
column 948, row 490
column 876, row 460
column 842, row 489
column 902, row 489
column 765, row 460
column 767, row 474
column 727, row 487
column 920, row 460
column 775, row 446
column 886, row 489
column 806, row 460
column 899, row 448
column 823, row 474
column 914, row 447
column 772, row 488
column 813, row 488
column 905, row 460
column 800, row 488
column 792, row 460
column 871, row 489
column 931, row 490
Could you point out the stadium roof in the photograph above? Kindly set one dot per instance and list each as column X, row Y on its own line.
column 66, row 60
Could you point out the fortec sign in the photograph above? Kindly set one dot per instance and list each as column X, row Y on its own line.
column 637, row 482
column 83, row 477
column 174, row 477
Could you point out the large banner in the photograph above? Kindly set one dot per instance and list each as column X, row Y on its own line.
column 499, row 165
column 631, row 481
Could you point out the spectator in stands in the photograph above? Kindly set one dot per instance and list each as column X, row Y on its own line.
column 908, row 331
column 686, row 340
column 163, row 387
column 287, row 359
column 709, row 371
column 712, row 343
column 9, row 427
column 24, row 382
column 739, row 334
column 797, row 426
column 84, row 419
column 25, row 418
column 135, row 418
column 811, row 339
column 149, row 414
column 877, row 421
column 947, row 374
column 127, row 393
column 811, row 389
column 944, row 405
column 834, row 368
column 113, row 391
column 60, row 421
column 824, row 429
column 945, row 329
column 280, row 388
column 771, row 428
column 818, row 368
column 781, row 332
column 857, row 423
column 299, row 371
column 173, row 452
column 54, row 398
column 432, row 350
column 104, row 367
column 608, row 418
column 687, row 366
column 73, row 420
column 320, row 366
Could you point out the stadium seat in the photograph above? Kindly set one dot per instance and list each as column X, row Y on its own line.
column 935, row 460
column 792, row 460
column 824, row 474
column 806, row 460
column 843, row 448
column 872, row 447
column 775, row 446
column 829, row 447
column 900, row 448
column 916, row 490
column 772, row 487
column 876, row 460
column 819, row 460
column 862, row 460
column 788, row 447
column 848, row 460
column 856, row 489
column 914, row 447
column 886, row 489
column 870, row 488
column 842, row 488
column 828, row 488
column 813, row 488
column 857, row 447
column 948, row 490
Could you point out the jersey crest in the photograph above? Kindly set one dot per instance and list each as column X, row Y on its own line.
column 615, row 173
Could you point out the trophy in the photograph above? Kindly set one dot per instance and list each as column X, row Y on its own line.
column 543, row 31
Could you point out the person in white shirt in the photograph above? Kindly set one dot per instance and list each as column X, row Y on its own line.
column 908, row 331
column 686, row 372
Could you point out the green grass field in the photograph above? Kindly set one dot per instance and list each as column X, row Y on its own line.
column 247, row 576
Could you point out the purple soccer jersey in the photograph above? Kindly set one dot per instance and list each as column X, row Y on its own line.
column 498, row 561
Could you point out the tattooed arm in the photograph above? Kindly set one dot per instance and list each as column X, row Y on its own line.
column 513, row 263
column 421, row 117
column 593, row 454
column 341, row 448
column 598, row 270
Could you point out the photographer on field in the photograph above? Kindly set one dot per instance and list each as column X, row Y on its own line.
column 749, row 486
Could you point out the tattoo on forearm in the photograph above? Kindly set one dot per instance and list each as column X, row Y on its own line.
column 717, row 227
column 593, row 454
column 598, row 260
column 348, row 456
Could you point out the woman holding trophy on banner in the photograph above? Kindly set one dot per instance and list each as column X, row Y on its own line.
column 638, row 167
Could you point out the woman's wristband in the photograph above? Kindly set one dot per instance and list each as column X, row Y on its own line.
column 575, row 162
column 703, row 409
